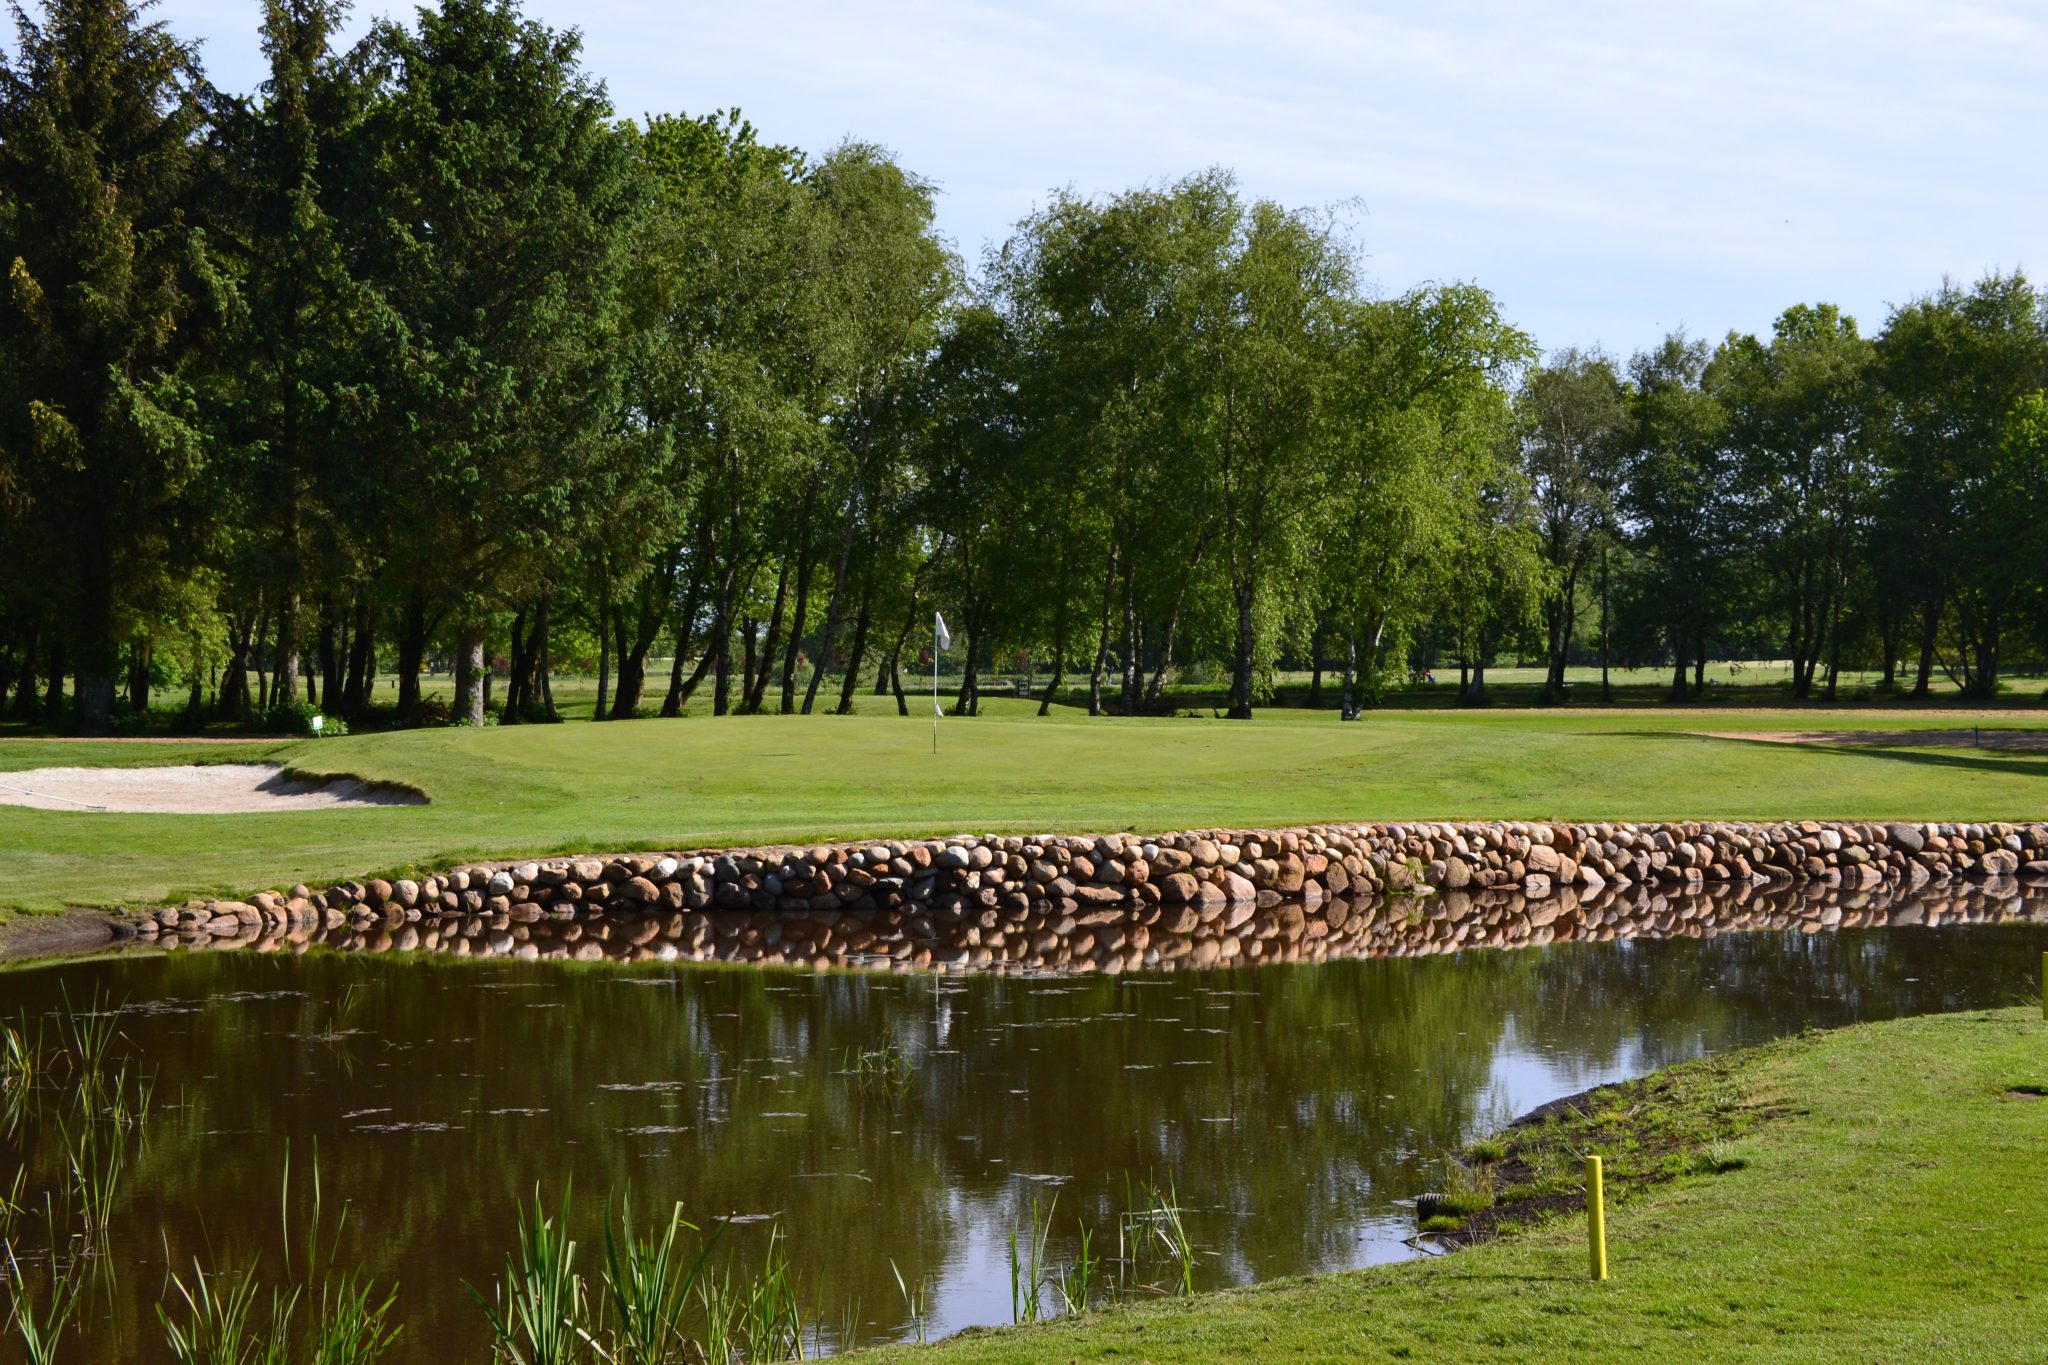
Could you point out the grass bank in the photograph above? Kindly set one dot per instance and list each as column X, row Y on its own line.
column 520, row 790
column 1875, row 1195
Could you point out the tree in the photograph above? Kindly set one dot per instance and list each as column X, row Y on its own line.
column 1951, row 369
column 111, row 286
column 1676, row 500
column 889, row 281
column 1271, row 332
column 1570, row 416
column 1416, row 485
column 290, row 388
column 1795, row 410
column 512, row 202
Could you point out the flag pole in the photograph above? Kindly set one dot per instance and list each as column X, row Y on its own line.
column 941, row 637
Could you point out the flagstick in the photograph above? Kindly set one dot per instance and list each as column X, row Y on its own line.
column 935, row 692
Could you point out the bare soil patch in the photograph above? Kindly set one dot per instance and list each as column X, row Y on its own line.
column 60, row 935
column 2011, row 741
column 197, row 789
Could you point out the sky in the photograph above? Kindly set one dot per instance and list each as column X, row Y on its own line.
column 1611, row 171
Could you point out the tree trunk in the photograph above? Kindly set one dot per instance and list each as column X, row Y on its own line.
column 1349, row 704
column 968, row 702
column 469, row 675
column 362, row 657
column 25, row 685
column 53, row 696
column 1677, row 665
column 1102, row 642
column 850, row 681
column 330, row 656
column 1315, row 664
column 1930, row 624
column 1241, row 660
column 832, row 609
column 412, row 653
column 1606, row 685
column 1059, row 672
column 604, row 646
column 138, row 677
column 286, row 688
column 686, row 626
column 93, row 634
column 757, row 693
column 262, row 669
column 804, row 566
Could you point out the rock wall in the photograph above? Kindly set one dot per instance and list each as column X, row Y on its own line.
column 1008, row 898
column 1131, row 937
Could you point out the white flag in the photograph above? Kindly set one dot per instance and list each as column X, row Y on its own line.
column 940, row 634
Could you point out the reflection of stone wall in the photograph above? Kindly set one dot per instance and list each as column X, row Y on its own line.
column 1135, row 937
column 979, row 900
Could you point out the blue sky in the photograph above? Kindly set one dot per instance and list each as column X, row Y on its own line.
column 1609, row 170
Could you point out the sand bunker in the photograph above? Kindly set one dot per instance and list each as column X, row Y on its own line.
column 2018, row 741
column 205, row 789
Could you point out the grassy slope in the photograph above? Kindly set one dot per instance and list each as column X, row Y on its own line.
column 520, row 790
column 1894, row 1212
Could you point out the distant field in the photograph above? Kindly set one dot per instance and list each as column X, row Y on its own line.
column 1729, row 684
column 514, row 790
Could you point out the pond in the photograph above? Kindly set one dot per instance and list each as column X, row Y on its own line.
column 1289, row 1109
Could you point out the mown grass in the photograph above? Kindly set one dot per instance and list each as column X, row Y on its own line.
column 521, row 790
column 1889, row 1209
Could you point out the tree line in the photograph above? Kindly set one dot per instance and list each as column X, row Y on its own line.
column 420, row 352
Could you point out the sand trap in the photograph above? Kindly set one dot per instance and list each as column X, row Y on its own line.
column 203, row 789
column 2012, row 741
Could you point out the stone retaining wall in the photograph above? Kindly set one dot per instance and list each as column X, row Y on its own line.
column 1009, row 887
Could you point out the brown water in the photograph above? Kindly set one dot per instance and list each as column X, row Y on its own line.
column 1291, row 1106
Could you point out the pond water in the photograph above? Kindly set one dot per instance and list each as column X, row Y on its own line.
column 1291, row 1107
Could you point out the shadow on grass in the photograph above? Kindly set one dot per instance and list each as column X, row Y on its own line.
column 1970, row 761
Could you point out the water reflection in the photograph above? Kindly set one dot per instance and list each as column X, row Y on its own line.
column 1292, row 1106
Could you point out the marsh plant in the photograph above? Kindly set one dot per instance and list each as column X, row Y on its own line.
column 883, row 1070
column 660, row 1302
column 539, row 1312
column 916, row 1302
column 1152, row 1233
column 39, row 1317
column 333, row 1316
column 1027, row 1266
column 1078, row 1280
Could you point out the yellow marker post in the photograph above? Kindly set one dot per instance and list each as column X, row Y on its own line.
column 2044, row 985
column 1596, row 1218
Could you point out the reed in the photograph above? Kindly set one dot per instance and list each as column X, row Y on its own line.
column 216, row 1327
column 1152, row 1229
column 883, row 1070
column 753, row 1318
column 1078, row 1279
column 1027, row 1268
column 916, row 1303
column 650, row 1282
column 95, row 1160
column 39, row 1322
column 539, row 1313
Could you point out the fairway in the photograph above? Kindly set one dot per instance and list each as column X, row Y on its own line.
column 519, row 790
